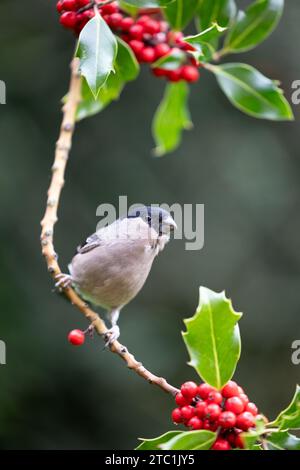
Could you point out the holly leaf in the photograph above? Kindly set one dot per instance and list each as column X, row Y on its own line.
column 126, row 69
column 155, row 444
column 171, row 118
column 148, row 3
column 213, row 338
column 290, row 417
column 216, row 11
column 190, row 440
column 282, row 440
column 204, row 42
column 180, row 12
column 97, row 49
column 254, row 25
column 171, row 61
column 251, row 92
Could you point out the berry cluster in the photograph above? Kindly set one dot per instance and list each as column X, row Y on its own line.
column 228, row 412
column 148, row 35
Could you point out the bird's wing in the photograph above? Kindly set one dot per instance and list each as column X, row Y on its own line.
column 90, row 243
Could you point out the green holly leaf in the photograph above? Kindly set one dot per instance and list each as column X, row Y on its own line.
column 216, row 11
column 254, row 25
column 171, row 118
column 204, row 42
column 155, row 444
column 251, row 92
column 148, row 3
column 290, row 417
column 97, row 49
column 126, row 69
column 213, row 338
column 282, row 440
column 190, row 440
column 180, row 12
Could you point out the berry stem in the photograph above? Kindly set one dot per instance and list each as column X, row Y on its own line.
column 62, row 151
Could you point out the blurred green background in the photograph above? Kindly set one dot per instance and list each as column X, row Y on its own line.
column 245, row 171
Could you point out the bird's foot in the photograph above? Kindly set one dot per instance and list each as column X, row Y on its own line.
column 111, row 335
column 63, row 281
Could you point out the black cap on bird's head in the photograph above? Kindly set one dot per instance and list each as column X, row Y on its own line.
column 157, row 218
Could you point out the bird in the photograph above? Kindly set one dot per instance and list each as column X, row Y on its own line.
column 112, row 265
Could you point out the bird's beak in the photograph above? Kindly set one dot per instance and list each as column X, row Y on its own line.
column 171, row 222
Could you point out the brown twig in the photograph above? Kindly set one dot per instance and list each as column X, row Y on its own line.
column 63, row 147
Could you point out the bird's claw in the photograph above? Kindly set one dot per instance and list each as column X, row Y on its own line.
column 111, row 335
column 63, row 281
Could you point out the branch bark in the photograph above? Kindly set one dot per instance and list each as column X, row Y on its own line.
column 63, row 147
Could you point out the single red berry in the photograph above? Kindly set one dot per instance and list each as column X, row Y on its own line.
column 115, row 20
column 201, row 409
column 239, row 441
column 230, row 390
column 174, row 75
column 158, row 72
column 147, row 55
column 69, row 5
column 213, row 411
column 176, row 416
column 60, row 6
column 187, row 412
column 204, row 390
column 221, row 444
column 245, row 421
column 189, row 73
column 231, row 437
column 244, row 398
column 136, row 31
column 189, row 389
column 235, row 405
column 195, row 423
column 152, row 26
column 136, row 46
column 110, row 8
column 143, row 19
column 207, row 425
column 68, row 19
column 76, row 337
column 180, row 400
column 214, row 397
column 126, row 23
column 227, row 419
column 252, row 408
column 161, row 50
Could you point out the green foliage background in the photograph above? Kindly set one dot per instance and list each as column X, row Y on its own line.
column 247, row 174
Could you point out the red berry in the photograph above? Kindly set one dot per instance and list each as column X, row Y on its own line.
column 159, row 72
column 213, row 411
column 231, row 437
column 240, row 389
column 189, row 390
column 69, row 5
column 68, row 19
column 76, row 337
column 143, row 19
column 162, row 50
column 230, row 390
column 60, row 6
column 147, row 55
column 189, row 73
column 175, row 37
column 221, row 444
column 136, row 31
column 187, row 412
column 151, row 27
column 239, row 441
column 110, row 8
column 126, row 23
column 115, row 20
column 214, row 397
column 82, row 3
column 227, row 419
column 235, row 405
column 245, row 421
column 201, row 409
column 176, row 416
column 252, row 408
column 244, row 398
column 195, row 423
column 180, row 400
column 136, row 46
column 204, row 390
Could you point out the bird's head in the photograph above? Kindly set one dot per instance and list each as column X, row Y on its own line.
column 158, row 219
